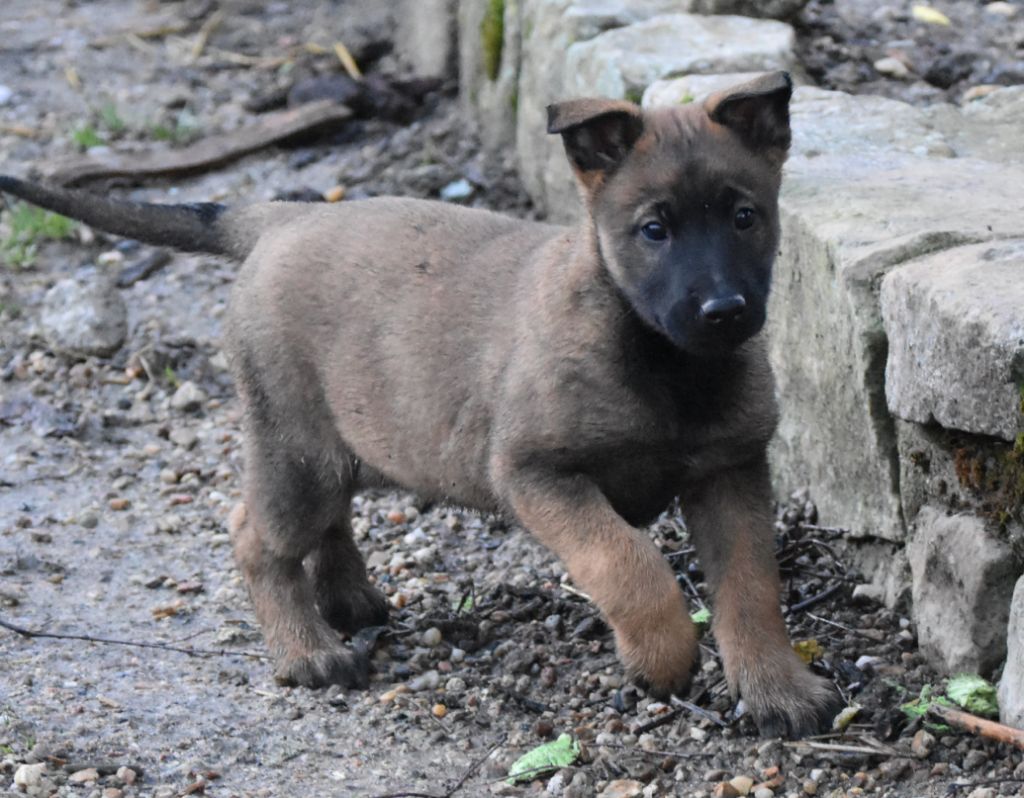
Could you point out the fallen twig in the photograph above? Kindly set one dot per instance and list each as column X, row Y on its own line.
column 843, row 748
column 205, row 153
column 203, row 37
column 192, row 652
column 696, row 710
column 816, row 598
column 989, row 729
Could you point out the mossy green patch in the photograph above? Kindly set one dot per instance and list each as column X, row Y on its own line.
column 27, row 227
column 492, row 37
column 634, row 95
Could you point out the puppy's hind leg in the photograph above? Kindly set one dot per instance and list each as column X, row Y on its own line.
column 344, row 596
column 292, row 504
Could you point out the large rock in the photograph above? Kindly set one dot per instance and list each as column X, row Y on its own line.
column 955, row 324
column 84, row 318
column 549, row 28
column 691, row 88
column 625, row 61
column 425, row 36
column 559, row 63
column 1011, row 686
column 870, row 185
column 963, row 579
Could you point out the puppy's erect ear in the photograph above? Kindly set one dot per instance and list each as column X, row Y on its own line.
column 598, row 134
column 758, row 112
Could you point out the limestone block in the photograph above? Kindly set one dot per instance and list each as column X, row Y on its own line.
column 425, row 36
column 625, row 61
column 955, row 326
column 549, row 28
column 691, row 88
column 1011, row 686
column 963, row 580
column 489, row 65
column 859, row 199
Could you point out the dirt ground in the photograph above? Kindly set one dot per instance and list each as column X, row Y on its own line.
column 113, row 502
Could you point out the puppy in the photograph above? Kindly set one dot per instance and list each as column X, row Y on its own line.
column 575, row 379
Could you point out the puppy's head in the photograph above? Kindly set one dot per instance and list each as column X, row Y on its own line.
column 684, row 202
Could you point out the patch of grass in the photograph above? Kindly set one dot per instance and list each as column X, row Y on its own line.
column 27, row 227
column 171, row 377
column 686, row 99
column 181, row 130
column 87, row 136
column 111, row 119
column 492, row 36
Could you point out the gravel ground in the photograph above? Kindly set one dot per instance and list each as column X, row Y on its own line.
column 114, row 494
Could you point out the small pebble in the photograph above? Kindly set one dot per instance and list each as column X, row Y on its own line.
column 29, row 775
column 893, row 68
column 810, row 787
column 921, row 745
column 119, row 504
column 335, row 194
column 429, row 680
column 395, row 517
column 432, row 636
column 112, row 792
column 982, row 792
column 724, row 790
column 742, row 784
column 189, row 397
column 622, row 788
column 6, row 93
column 455, row 686
column 764, row 792
column 1001, row 8
column 439, row 710
column 457, row 655
column 84, row 775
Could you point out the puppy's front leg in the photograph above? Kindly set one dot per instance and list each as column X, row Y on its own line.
column 617, row 565
column 729, row 517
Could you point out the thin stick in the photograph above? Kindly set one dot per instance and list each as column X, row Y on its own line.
column 203, row 37
column 192, row 652
column 988, row 729
column 818, row 597
column 347, row 61
column 849, row 749
column 696, row 710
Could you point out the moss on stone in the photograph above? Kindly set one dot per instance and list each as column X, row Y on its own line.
column 492, row 37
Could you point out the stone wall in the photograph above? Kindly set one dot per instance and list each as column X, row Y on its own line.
column 897, row 314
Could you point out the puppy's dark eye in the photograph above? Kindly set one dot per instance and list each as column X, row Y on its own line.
column 744, row 218
column 654, row 231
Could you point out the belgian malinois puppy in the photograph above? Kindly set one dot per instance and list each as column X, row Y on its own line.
column 576, row 380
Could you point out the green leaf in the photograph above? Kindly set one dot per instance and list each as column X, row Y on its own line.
column 845, row 717
column 918, row 708
column 974, row 694
column 702, row 619
column 544, row 758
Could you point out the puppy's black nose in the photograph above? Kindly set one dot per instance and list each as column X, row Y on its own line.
column 723, row 309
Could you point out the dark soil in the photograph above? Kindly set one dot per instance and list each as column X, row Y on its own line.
column 113, row 504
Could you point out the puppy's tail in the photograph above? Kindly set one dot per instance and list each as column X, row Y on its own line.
column 193, row 227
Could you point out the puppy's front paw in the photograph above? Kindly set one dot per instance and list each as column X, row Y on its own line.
column 787, row 700
column 324, row 667
column 661, row 654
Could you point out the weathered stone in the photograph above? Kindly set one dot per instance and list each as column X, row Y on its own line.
column 774, row 9
column 956, row 338
column 963, row 581
column 489, row 66
column 425, row 36
column 862, row 194
column 1011, row 686
column 549, row 28
column 691, row 88
column 625, row 61
column 82, row 318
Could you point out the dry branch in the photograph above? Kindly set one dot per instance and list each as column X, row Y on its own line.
column 988, row 729
column 206, row 153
